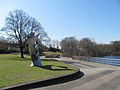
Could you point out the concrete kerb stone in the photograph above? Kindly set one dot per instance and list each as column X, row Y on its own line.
column 44, row 82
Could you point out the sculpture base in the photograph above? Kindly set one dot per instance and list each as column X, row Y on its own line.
column 31, row 64
column 36, row 62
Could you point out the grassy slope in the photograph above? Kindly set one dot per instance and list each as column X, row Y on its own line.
column 14, row 70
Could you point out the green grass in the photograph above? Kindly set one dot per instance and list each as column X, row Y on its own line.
column 15, row 70
column 52, row 53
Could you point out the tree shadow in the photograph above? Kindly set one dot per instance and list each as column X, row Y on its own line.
column 49, row 67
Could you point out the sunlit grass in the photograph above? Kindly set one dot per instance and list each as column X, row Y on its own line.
column 15, row 70
column 52, row 53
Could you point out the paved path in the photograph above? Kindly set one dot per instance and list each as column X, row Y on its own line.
column 96, row 77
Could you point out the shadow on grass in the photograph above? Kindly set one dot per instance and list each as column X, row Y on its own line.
column 49, row 67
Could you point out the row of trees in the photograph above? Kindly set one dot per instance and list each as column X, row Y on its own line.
column 8, row 47
column 53, row 45
column 86, row 47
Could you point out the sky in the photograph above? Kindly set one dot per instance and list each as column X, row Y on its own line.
column 97, row 19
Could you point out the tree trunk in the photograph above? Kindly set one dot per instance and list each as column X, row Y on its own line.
column 21, row 51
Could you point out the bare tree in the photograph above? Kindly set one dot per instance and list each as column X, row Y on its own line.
column 116, row 48
column 87, row 47
column 103, row 49
column 19, row 25
column 55, row 44
column 69, row 46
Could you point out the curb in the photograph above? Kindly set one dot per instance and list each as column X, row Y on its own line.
column 44, row 82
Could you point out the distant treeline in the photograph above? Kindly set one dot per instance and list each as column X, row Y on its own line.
column 86, row 47
column 70, row 46
column 8, row 46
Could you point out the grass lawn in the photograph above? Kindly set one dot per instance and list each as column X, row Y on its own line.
column 15, row 70
column 52, row 53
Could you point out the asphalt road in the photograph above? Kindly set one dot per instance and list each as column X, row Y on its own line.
column 96, row 77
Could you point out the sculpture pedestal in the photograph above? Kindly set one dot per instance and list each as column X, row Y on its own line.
column 36, row 62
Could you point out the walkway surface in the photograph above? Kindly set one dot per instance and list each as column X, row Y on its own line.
column 96, row 77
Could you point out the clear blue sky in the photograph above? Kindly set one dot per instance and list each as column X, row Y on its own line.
column 96, row 19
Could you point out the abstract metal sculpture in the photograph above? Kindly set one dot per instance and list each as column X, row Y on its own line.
column 33, row 44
